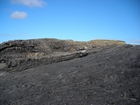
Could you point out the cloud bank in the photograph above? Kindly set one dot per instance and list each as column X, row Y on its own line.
column 4, row 35
column 135, row 41
column 18, row 15
column 30, row 3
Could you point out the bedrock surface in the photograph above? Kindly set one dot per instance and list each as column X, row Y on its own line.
column 110, row 76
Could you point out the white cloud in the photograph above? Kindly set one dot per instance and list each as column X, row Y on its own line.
column 18, row 15
column 30, row 3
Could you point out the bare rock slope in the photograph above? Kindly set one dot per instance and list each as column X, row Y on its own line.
column 59, row 72
column 23, row 54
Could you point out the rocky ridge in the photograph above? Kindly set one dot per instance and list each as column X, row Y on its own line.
column 24, row 54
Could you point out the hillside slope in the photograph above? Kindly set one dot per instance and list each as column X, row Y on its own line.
column 109, row 76
column 19, row 55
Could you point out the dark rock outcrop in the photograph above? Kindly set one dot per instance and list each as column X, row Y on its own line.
column 23, row 54
column 90, row 74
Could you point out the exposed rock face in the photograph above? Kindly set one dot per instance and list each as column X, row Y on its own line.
column 99, row 75
column 23, row 54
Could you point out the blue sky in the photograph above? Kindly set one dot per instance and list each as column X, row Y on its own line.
column 80, row 20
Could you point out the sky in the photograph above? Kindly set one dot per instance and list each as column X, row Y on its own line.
column 79, row 20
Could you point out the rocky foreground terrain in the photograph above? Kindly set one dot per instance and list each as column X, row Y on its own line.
column 66, row 72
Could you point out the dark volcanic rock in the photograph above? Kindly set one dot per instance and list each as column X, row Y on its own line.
column 109, row 75
column 24, row 54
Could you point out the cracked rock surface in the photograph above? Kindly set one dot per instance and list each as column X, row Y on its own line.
column 108, row 75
